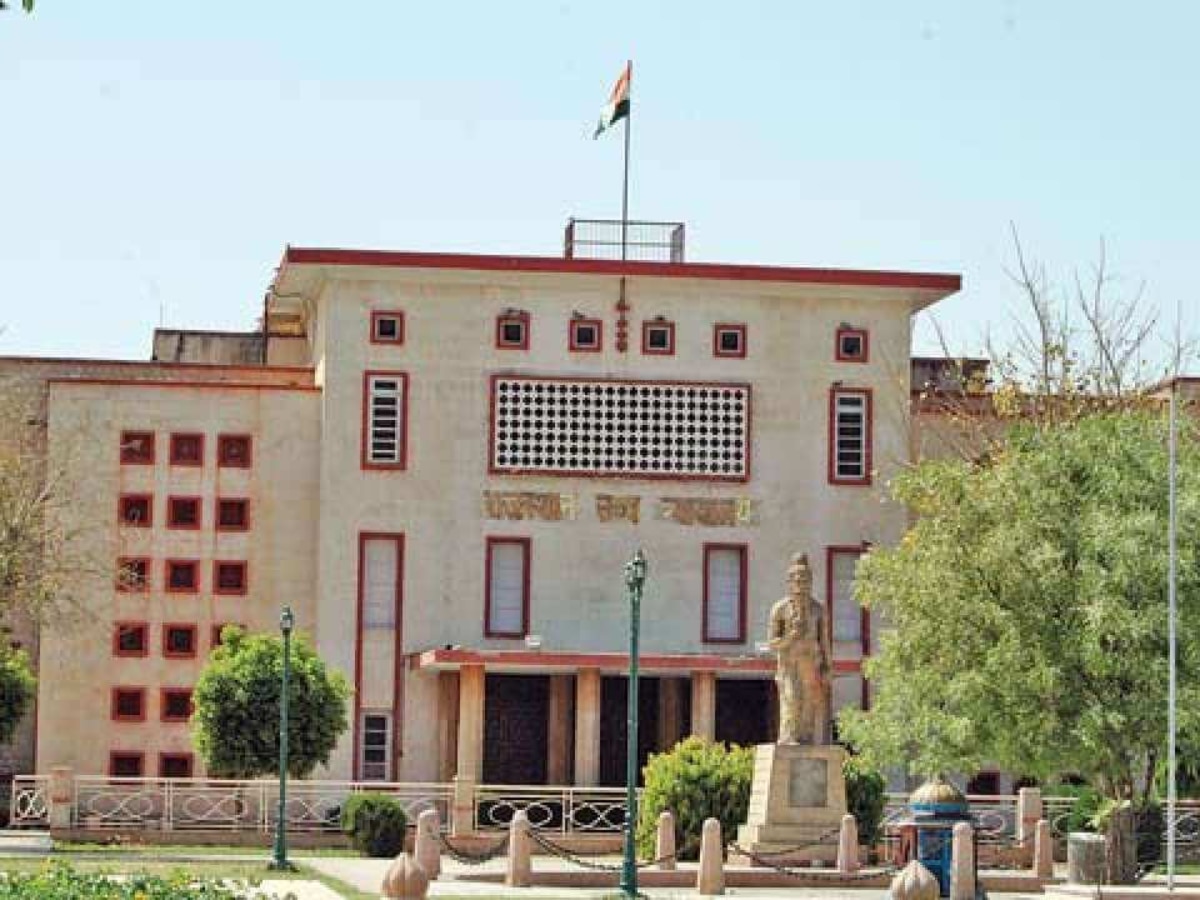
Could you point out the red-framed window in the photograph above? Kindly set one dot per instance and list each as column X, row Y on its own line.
column 725, row 582
column 506, row 587
column 849, row 623
column 215, row 638
column 136, row 510
column 179, row 640
column 131, row 639
column 137, row 448
column 387, row 326
column 187, row 450
column 852, row 345
column 125, row 764
column 729, row 340
column 175, row 704
column 585, row 335
column 175, row 765
column 230, row 576
column 385, row 420
column 182, row 576
column 850, row 436
column 235, row 451
column 658, row 338
column 128, row 704
column 133, row 574
column 233, row 514
column 512, row 330
column 184, row 513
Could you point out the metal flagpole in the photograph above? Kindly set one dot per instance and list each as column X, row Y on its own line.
column 1171, row 615
column 625, row 181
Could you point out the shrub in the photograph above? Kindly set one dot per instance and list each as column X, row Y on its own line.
column 375, row 823
column 866, row 797
column 695, row 780
column 60, row 881
column 1083, row 814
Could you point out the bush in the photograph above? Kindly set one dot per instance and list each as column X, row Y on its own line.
column 375, row 823
column 1088, row 803
column 61, row 882
column 866, row 797
column 695, row 780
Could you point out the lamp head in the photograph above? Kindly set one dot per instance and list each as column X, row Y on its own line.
column 287, row 620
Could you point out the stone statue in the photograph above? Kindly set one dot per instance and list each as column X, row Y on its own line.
column 796, row 632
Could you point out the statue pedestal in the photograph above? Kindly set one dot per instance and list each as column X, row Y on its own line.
column 797, row 800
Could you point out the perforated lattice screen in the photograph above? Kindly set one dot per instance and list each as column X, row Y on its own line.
column 631, row 428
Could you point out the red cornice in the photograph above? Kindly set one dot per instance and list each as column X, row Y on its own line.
column 546, row 660
column 325, row 256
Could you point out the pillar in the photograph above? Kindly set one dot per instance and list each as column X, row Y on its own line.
column 847, row 858
column 1043, row 850
column 558, row 731
column 447, row 733
column 710, row 874
column 704, row 705
column 62, row 797
column 664, row 842
column 670, row 712
column 587, row 727
column 1029, row 810
column 469, row 767
column 425, row 848
column 962, row 862
column 520, row 864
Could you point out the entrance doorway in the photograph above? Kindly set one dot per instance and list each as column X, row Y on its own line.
column 614, row 730
column 746, row 711
column 516, row 710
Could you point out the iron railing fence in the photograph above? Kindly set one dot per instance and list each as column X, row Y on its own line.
column 569, row 810
column 644, row 241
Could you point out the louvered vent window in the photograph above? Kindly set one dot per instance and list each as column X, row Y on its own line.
column 385, row 420
column 850, row 444
column 651, row 428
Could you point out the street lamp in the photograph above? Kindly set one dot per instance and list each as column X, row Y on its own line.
column 635, row 579
column 287, row 621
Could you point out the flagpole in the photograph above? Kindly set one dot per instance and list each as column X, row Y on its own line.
column 625, row 181
column 1171, row 630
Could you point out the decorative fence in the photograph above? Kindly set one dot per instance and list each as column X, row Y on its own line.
column 569, row 810
column 995, row 817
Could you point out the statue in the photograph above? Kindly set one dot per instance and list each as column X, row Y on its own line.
column 796, row 632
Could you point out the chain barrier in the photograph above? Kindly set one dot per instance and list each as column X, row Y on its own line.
column 810, row 873
column 581, row 858
column 473, row 858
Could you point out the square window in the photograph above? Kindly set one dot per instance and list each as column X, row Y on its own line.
column 174, row 765
column 187, row 449
column 137, row 448
column 233, row 514
column 234, row 451
column 131, row 639
column 179, row 641
column 658, row 338
column 183, row 576
column 136, row 510
column 585, row 335
column 387, row 327
column 176, row 704
column 729, row 340
column 124, row 765
column 229, row 577
column 133, row 574
column 128, row 704
column 512, row 331
column 852, row 345
column 183, row 512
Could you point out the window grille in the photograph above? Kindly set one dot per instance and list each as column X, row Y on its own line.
column 376, row 741
column 851, row 410
column 657, row 429
column 385, row 420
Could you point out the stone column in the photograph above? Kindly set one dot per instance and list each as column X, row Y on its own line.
column 558, row 731
column 710, row 874
column 62, row 791
column 447, row 733
column 587, row 727
column 704, row 705
column 425, row 848
column 520, row 864
column 670, row 712
column 1043, row 850
column 962, row 863
column 664, row 842
column 470, row 748
column 847, row 859
column 1029, row 810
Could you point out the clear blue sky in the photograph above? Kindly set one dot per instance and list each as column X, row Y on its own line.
column 160, row 154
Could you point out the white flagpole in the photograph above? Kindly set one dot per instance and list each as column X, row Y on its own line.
column 1171, row 614
column 625, row 182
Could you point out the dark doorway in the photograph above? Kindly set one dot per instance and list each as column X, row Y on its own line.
column 745, row 711
column 614, row 729
column 516, row 708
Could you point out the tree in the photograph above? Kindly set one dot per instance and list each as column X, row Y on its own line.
column 236, row 701
column 1028, row 608
column 17, row 689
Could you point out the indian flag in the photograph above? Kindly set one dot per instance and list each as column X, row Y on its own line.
column 617, row 107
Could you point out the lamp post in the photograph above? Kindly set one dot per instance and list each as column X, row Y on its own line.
column 635, row 579
column 287, row 621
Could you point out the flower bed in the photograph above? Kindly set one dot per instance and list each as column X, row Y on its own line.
column 62, row 882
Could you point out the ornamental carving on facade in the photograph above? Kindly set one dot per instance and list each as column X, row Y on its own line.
column 713, row 513
column 526, row 505
column 618, row 508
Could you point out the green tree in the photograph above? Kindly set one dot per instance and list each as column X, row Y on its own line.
column 17, row 689
column 1028, row 610
column 236, row 700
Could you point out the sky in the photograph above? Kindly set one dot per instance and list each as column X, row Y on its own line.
column 156, row 157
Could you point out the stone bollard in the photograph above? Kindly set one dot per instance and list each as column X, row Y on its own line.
column 1029, row 811
column 1043, row 850
column 1085, row 858
column 462, row 807
column 520, row 864
column 62, row 784
column 710, row 875
column 914, row 882
column 664, row 844
column 405, row 880
column 425, row 847
column 962, row 862
column 847, row 859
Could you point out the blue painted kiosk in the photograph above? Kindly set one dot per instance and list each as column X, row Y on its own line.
column 926, row 832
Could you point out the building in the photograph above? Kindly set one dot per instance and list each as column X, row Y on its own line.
column 442, row 462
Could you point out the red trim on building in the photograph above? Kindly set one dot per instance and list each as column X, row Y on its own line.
column 127, row 691
column 526, row 545
column 512, row 318
column 127, row 585
column 178, row 456
column 649, row 324
column 148, row 383
column 868, row 440
column 196, row 503
column 153, row 364
column 377, row 315
column 398, row 655
column 228, row 457
column 136, row 448
column 231, row 565
column 573, row 344
column 863, row 335
column 167, row 628
column 615, row 663
column 243, row 502
column 186, row 769
column 164, row 695
column 120, row 628
column 716, row 271
column 364, row 436
column 724, row 327
column 171, row 564
column 129, row 500
column 114, row 755
column 743, row 551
